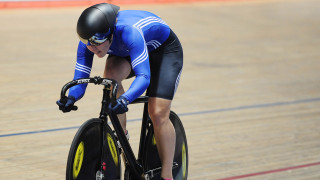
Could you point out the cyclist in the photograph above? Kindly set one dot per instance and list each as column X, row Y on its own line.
column 140, row 44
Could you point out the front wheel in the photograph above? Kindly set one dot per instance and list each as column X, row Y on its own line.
column 93, row 153
column 151, row 160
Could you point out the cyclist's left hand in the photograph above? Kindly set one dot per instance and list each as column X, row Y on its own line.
column 67, row 105
column 121, row 105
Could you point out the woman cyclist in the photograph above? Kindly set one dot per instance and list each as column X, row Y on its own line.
column 139, row 44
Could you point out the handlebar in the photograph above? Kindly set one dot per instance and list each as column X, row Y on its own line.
column 95, row 80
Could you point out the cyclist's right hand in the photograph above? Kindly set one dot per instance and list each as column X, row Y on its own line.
column 66, row 105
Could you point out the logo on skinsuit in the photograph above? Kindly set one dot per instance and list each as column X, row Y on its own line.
column 113, row 149
column 77, row 163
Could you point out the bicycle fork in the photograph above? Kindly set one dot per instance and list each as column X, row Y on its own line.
column 100, row 173
column 129, row 155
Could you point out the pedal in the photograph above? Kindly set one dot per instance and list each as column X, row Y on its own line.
column 152, row 172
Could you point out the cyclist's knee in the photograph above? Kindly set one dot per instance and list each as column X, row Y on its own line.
column 158, row 119
column 159, row 111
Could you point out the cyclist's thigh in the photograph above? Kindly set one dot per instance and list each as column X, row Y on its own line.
column 166, row 66
column 117, row 68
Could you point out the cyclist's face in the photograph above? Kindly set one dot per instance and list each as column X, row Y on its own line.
column 100, row 50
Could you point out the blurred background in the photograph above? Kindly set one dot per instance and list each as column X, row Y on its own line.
column 249, row 93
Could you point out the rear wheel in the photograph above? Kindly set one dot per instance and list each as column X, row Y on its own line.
column 93, row 153
column 151, row 160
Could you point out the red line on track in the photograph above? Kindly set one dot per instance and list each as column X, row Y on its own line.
column 69, row 3
column 271, row 171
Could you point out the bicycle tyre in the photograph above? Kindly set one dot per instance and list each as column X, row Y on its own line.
column 151, row 158
column 85, row 155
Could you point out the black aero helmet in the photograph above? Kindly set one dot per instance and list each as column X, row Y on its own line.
column 96, row 23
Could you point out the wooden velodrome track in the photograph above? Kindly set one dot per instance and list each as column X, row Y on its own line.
column 249, row 95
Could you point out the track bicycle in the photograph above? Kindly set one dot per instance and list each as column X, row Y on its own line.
column 95, row 151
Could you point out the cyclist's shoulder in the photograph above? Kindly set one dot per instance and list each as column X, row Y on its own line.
column 126, row 32
column 132, row 17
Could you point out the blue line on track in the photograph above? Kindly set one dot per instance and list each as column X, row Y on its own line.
column 256, row 106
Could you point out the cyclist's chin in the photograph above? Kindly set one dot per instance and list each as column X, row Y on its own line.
column 101, row 54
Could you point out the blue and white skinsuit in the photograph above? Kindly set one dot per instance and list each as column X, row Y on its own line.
column 151, row 47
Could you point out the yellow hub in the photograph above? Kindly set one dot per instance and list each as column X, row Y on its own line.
column 184, row 160
column 113, row 149
column 77, row 163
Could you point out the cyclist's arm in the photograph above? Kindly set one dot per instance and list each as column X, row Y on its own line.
column 135, row 42
column 82, row 70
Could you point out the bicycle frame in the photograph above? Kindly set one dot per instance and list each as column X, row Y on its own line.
column 135, row 164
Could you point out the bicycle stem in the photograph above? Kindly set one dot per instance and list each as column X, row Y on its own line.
column 105, row 102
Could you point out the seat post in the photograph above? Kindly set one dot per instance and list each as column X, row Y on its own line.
column 144, row 126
